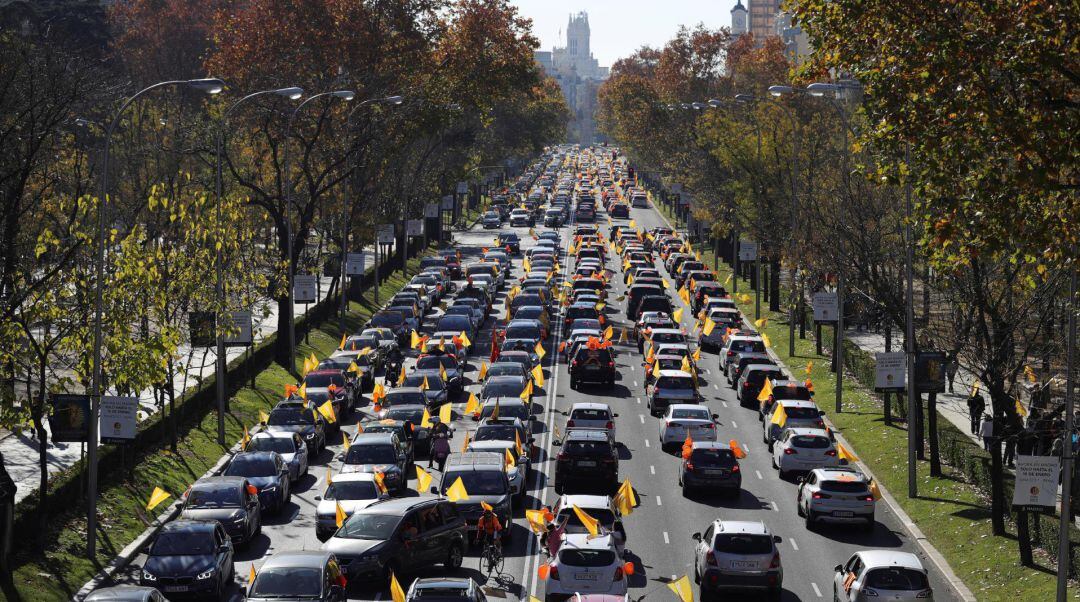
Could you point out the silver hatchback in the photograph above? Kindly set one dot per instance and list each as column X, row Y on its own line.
column 737, row 555
column 881, row 575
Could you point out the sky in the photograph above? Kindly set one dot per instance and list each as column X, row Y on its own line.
column 619, row 27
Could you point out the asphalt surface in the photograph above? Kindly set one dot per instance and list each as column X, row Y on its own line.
column 659, row 530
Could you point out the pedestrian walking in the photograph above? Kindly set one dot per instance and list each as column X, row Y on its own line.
column 952, row 366
column 976, row 406
column 986, row 431
column 440, row 451
column 1011, row 435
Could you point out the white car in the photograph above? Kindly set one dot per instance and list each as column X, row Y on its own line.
column 289, row 444
column 599, row 507
column 722, row 316
column 592, row 415
column 836, row 495
column 352, row 491
column 881, row 575
column 803, row 450
column 587, row 565
column 737, row 343
column 800, row 413
column 681, row 419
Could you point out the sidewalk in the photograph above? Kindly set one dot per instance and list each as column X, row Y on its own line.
column 21, row 451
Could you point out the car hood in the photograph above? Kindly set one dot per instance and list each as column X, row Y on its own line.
column 329, row 507
column 303, row 429
column 179, row 566
column 261, row 482
column 218, row 514
column 344, row 546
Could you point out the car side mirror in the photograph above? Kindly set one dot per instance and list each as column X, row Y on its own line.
column 716, row 416
column 776, row 539
column 696, row 537
column 615, row 415
column 838, row 568
column 318, row 498
column 821, row 412
column 434, row 490
column 223, row 548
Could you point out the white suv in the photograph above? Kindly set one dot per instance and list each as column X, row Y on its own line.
column 836, row 495
column 587, row 565
column 881, row 575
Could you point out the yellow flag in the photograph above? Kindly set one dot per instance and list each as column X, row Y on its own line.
column 329, row 479
column 1030, row 373
column 396, row 593
column 465, row 444
column 465, row 339
column 423, row 479
column 681, row 588
column 446, row 413
column 302, row 391
column 354, row 368
column 629, row 279
column 327, row 411
column 538, row 376
column 766, row 390
column 456, row 492
column 874, row 490
column 263, row 417
column 696, row 354
column 526, row 394
column 677, row 316
column 156, row 497
column 510, row 463
column 761, row 322
column 495, row 410
column 251, row 574
column 728, row 279
column 517, row 442
column 414, row 340
column 622, row 336
column 600, row 306
column 401, row 376
column 809, row 368
column 608, row 333
column 424, row 385
column 339, row 515
column 539, row 349
column 341, row 345
column 314, row 361
column 425, row 420
column 684, row 295
column 685, row 365
column 442, row 372
column 536, row 521
column 709, row 326
column 473, row 405
column 779, row 417
column 765, row 339
column 626, row 499
column 245, row 439
column 633, row 224
column 483, row 371
column 345, row 441
column 666, row 283
column 975, row 388
column 590, row 523
column 844, row 453
column 1020, row 409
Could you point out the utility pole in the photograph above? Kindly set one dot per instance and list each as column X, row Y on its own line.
column 1067, row 456
column 909, row 331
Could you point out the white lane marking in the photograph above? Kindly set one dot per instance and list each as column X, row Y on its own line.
column 659, row 502
column 639, row 400
column 734, row 424
column 758, row 473
column 646, row 443
column 642, row 417
column 717, row 387
column 816, row 590
column 794, row 545
column 725, row 403
column 666, row 540
column 652, row 469
column 774, row 506
column 635, row 383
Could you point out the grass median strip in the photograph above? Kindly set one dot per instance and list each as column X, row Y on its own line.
column 61, row 568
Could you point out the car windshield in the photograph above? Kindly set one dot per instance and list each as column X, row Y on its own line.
column 183, row 543
column 495, row 432
column 290, row 416
column 693, row 413
column 801, row 413
column 405, row 397
column 586, row 448
column 287, row 582
column 713, row 457
column 478, row 482
column 502, row 388
column 585, row 323
column 371, row 454
column 755, row 346
column 810, row 441
column 434, row 383
column 897, row 579
column 505, row 369
column 757, row 377
column 587, row 558
column 514, row 411
column 242, row 466
column 214, row 497
column 568, row 517
column 281, row 445
column 742, row 543
column 844, row 486
column 414, row 415
column 675, row 382
column 351, row 490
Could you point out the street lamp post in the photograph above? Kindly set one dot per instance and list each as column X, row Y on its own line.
column 344, row 304
column 209, row 86
column 345, row 95
column 292, row 93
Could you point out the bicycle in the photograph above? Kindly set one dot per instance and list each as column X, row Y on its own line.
column 491, row 559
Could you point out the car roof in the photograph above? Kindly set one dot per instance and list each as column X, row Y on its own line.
column 442, row 582
column 586, row 501
column 315, row 559
column 187, row 525
column 399, row 506
column 675, row 374
column 589, row 405
column 797, row 403
column 120, row 593
column 686, row 406
column 349, row 477
column 585, row 541
column 504, row 402
column 373, row 439
column 834, row 473
column 710, row 445
column 884, row 558
column 808, row 432
column 741, row 526
column 273, row 435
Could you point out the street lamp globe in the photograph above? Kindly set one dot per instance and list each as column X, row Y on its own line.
column 780, row 90
column 345, row 95
column 209, row 85
column 821, row 89
column 292, row 93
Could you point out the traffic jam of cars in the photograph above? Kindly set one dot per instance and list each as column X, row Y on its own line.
column 566, row 404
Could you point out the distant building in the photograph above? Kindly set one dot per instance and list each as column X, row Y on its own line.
column 763, row 18
column 738, row 19
column 579, row 75
column 796, row 42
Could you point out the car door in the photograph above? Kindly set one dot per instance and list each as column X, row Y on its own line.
column 223, row 545
column 412, row 555
column 804, row 488
column 703, row 547
column 283, row 476
column 301, row 452
column 848, row 577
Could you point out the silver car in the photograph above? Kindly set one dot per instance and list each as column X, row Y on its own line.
column 836, row 495
column 803, row 449
column 881, row 575
column 737, row 555
column 672, row 386
column 290, row 445
column 799, row 414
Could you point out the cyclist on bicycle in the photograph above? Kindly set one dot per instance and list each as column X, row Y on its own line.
column 488, row 528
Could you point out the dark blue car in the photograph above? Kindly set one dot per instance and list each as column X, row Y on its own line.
column 190, row 557
column 268, row 472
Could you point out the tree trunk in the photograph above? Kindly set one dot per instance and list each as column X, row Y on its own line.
column 1023, row 537
column 997, row 489
column 817, row 341
column 43, row 443
column 919, row 421
column 888, row 395
column 932, row 432
column 774, row 284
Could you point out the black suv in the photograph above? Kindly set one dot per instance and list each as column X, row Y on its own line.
column 402, row 535
column 231, row 501
column 588, row 462
column 510, row 242
column 593, row 366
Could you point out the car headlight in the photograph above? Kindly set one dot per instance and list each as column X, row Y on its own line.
column 148, row 576
column 207, row 574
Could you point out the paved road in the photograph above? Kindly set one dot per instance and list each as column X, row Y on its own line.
column 659, row 530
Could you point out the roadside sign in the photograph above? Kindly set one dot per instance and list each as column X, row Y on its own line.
column 685, row 199
column 239, row 334
column 354, row 264
column 825, row 307
column 930, row 372
column 386, row 234
column 463, row 188
column 70, row 418
column 890, row 371
column 431, row 210
column 119, row 419
column 1036, row 481
column 676, row 188
column 414, row 228
column 748, row 250
column 448, row 202
column 305, row 288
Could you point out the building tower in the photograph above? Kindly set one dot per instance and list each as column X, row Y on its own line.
column 763, row 19
column 577, row 37
column 738, row 19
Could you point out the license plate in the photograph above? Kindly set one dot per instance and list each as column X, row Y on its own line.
column 843, row 514
column 743, row 564
column 587, row 463
column 592, row 368
column 716, row 472
column 585, row 576
column 176, row 588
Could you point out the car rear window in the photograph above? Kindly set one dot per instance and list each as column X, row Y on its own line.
column 896, row 579
column 214, row 497
column 672, row 382
column 280, row 445
column 586, row 448
column 810, row 441
column 755, row 346
column 713, row 457
column 251, row 467
column 742, row 543
column 351, row 490
column 322, row 381
column 800, row 393
column 587, row 558
column 801, row 413
column 590, row 414
column 371, row 454
column 695, row 413
column 844, row 486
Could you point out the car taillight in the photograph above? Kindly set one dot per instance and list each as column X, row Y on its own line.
column 821, row 424
column 618, row 574
column 790, row 452
column 573, row 363
column 610, row 425
column 609, row 460
column 730, row 353
column 710, row 426
column 746, row 385
column 611, row 364
column 735, row 468
column 561, row 457
column 831, row 452
column 554, row 573
column 567, row 321
column 775, row 564
column 710, row 559
column 821, row 496
column 866, row 498
column 569, row 424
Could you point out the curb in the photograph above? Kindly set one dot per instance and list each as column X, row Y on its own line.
column 951, row 578
column 132, row 550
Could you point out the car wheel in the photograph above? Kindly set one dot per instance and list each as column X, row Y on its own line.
column 869, row 526
column 454, row 557
column 773, row 458
column 697, row 576
column 783, row 474
column 809, row 520
column 799, row 509
column 704, row 593
column 775, row 593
